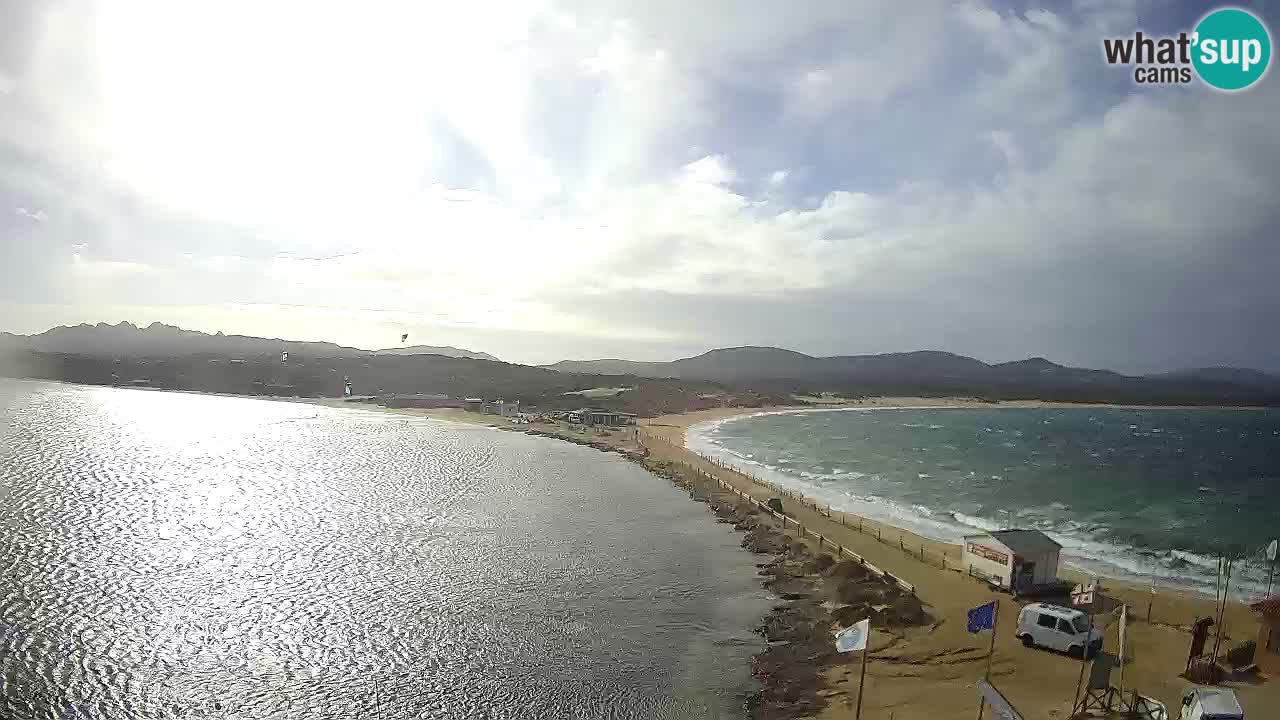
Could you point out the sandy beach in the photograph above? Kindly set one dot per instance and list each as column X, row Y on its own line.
column 930, row 671
column 917, row 676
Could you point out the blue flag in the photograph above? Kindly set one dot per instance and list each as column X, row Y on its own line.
column 983, row 617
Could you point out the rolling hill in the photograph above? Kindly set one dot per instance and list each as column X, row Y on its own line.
column 434, row 350
column 164, row 356
column 160, row 340
column 936, row 373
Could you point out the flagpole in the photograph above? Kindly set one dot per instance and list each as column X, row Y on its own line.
column 1084, row 651
column 1124, row 618
column 866, row 644
column 1272, row 547
column 995, row 621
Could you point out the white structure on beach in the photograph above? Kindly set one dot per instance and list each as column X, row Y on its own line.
column 505, row 408
column 1017, row 560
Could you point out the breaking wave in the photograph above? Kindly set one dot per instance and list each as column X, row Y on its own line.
column 1090, row 541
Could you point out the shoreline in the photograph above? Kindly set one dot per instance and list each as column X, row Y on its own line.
column 676, row 428
column 926, row 671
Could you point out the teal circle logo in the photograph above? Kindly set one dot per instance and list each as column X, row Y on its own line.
column 1231, row 49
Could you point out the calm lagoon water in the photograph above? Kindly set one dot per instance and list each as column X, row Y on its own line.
column 178, row 555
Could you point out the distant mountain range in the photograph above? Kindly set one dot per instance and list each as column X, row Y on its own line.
column 933, row 373
column 169, row 357
column 160, row 340
column 1238, row 376
column 433, row 350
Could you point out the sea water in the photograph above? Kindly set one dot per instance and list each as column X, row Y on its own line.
column 1133, row 493
column 179, row 555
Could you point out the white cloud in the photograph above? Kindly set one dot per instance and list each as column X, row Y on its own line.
column 711, row 170
column 512, row 168
column 1004, row 143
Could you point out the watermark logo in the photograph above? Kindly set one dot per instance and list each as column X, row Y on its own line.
column 1229, row 49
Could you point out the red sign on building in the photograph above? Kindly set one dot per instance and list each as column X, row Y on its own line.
column 988, row 553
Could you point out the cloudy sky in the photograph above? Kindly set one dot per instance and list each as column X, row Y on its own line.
column 646, row 179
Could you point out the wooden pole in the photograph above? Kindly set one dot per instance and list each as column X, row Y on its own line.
column 1084, row 654
column 1124, row 620
column 1222, row 612
column 1151, row 600
column 863, row 679
column 995, row 622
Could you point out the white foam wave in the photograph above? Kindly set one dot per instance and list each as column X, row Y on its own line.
column 975, row 522
column 1191, row 558
column 1084, row 548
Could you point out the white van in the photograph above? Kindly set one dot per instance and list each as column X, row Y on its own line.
column 1205, row 703
column 1058, row 628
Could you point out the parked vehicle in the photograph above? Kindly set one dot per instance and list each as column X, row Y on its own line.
column 1057, row 628
column 1207, row 703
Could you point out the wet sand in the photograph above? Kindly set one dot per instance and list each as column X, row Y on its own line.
column 927, row 671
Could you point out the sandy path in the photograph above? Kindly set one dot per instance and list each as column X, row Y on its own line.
column 930, row 673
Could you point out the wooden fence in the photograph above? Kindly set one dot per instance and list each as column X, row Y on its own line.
column 801, row 530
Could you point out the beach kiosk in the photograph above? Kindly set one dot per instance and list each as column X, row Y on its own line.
column 1017, row 560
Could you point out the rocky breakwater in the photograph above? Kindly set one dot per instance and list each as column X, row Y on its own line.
column 818, row 595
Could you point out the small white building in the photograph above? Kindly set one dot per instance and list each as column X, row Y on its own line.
column 1018, row 560
column 505, row 408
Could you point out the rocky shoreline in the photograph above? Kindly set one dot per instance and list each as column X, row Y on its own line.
column 817, row 594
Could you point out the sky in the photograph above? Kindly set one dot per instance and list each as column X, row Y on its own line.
column 645, row 180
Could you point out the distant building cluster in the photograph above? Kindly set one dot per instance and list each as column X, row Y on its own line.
column 596, row 416
column 501, row 408
column 510, row 409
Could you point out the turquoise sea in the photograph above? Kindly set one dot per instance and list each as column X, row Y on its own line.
column 1130, row 493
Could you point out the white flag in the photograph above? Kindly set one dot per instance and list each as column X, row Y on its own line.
column 853, row 637
column 1271, row 550
column 1000, row 707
